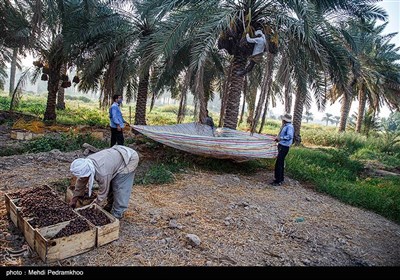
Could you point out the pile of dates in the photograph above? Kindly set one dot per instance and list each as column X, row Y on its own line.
column 95, row 216
column 74, row 227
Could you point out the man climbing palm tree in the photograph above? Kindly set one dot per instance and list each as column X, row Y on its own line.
column 259, row 47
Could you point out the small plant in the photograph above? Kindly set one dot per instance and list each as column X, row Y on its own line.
column 61, row 185
column 64, row 142
column 157, row 174
column 4, row 103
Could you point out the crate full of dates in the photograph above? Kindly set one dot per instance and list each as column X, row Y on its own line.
column 107, row 226
column 64, row 240
column 39, row 212
column 17, row 199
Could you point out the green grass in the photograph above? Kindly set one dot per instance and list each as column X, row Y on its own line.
column 370, row 154
column 333, row 172
column 64, row 142
column 82, row 116
column 157, row 174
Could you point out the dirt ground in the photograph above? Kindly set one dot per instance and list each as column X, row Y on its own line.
column 239, row 220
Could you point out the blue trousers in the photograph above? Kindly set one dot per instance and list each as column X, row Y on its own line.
column 280, row 163
column 120, row 192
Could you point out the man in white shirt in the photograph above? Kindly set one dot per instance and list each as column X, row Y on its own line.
column 114, row 171
column 258, row 51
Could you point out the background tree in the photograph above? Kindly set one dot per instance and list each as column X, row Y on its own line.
column 15, row 33
column 308, row 116
column 327, row 118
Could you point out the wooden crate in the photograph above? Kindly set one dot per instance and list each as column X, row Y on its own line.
column 12, row 209
column 97, row 134
column 107, row 233
column 61, row 248
column 24, row 135
column 30, row 231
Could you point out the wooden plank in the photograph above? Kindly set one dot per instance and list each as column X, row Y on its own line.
column 29, row 232
column 14, row 211
column 20, row 220
column 51, row 250
column 7, row 201
column 107, row 233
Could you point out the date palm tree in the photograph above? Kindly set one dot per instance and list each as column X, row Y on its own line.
column 213, row 22
column 15, row 35
column 308, row 116
column 226, row 23
column 320, row 67
column 327, row 118
column 373, row 70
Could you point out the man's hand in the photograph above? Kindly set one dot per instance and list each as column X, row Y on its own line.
column 119, row 128
column 277, row 139
column 73, row 202
column 93, row 202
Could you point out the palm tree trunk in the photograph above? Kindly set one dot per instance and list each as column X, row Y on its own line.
column 224, row 95
column 108, row 87
column 267, row 79
column 153, row 100
column 235, row 89
column 141, row 102
column 13, row 70
column 61, row 90
column 344, row 112
column 251, row 104
column 288, row 99
column 52, row 88
column 182, row 102
column 297, row 116
column 55, row 63
column 362, row 99
column 264, row 116
column 182, row 107
column 199, row 92
column 244, row 100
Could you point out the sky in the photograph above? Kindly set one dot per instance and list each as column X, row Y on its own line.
column 392, row 7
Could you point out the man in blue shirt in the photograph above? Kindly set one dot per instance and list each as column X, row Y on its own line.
column 285, row 139
column 117, row 122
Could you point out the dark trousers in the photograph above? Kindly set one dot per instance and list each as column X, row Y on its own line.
column 280, row 163
column 116, row 137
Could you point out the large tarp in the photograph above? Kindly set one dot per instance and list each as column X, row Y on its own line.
column 218, row 143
